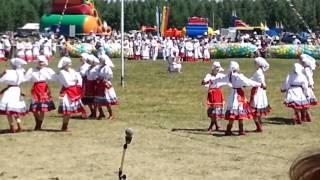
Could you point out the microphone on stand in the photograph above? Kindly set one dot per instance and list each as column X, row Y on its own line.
column 128, row 139
column 129, row 134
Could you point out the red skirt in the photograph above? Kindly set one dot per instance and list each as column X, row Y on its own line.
column 215, row 97
column 215, row 102
column 182, row 54
column 41, row 98
column 130, row 57
column 206, row 60
column 84, row 80
column 189, row 58
column 71, row 102
column 90, row 88
column 296, row 106
column 100, row 89
column 137, row 57
column 40, row 92
column 73, row 92
column 105, row 94
column 3, row 59
column 89, row 92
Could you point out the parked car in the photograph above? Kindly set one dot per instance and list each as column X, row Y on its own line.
column 289, row 38
column 22, row 34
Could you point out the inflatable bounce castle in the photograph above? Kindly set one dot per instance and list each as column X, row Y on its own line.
column 80, row 13
column 197, row 26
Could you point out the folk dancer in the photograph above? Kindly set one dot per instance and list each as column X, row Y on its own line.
column 296, row 89
column 309, row 64
column 258, row 100
column 215, row 99
column 238, row 108
column 12, row 104
column 71, row 92
column 105, row 93
column 41, row 95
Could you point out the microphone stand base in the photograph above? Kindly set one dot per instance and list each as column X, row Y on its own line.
column 123, row 177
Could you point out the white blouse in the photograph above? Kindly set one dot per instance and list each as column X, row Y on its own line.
column 28, row 46
column 309, row 75
column 105, row 73
column 1, row 46
column 91, row 73
column 83, row 69
column 238, row 81
column 174, row 52
column 293, row 80
column 69, row 78
column 38, row 75
column 259, row 77
column 189, row 46
column 13, row 77
column 20, row 46
column 212, row 84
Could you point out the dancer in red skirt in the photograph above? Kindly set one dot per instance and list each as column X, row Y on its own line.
column 296, row 89
column 189, row 50
column 258, row 100
column 41, row 95
column 90, row 84
column 105, row 93
column 70, row 95
column 215, row 100
column 238, row 108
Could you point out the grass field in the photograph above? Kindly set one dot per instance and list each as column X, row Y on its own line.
column 168, row 114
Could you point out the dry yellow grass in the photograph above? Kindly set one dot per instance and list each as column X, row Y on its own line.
column 168, row 115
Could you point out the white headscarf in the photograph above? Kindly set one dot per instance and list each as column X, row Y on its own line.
column 42, row 59
column 18, row 62
column 217, row 65
column 105, row 58
column 93, row 58
column 63, row 62
column 234, row 66
column 309, row 61
column 262, row 63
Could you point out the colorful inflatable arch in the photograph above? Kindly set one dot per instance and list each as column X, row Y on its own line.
column 80, row 13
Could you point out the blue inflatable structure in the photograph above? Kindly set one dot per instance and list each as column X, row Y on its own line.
column 197, row 27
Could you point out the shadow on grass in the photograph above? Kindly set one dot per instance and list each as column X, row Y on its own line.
column 50, row 130
column 7, row 131
column 80, row 118
column 203, row 132
column 278, row 121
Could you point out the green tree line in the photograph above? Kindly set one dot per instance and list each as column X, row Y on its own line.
column 15, row 13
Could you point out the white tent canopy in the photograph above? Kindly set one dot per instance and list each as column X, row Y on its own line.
column 31, row 26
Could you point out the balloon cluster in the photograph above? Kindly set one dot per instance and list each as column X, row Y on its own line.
column 293, row 51
column 76, row 50
column 232, row 50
